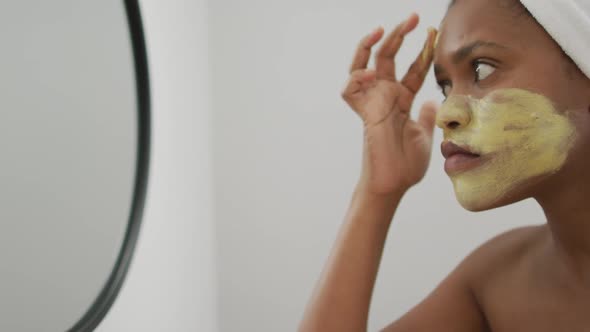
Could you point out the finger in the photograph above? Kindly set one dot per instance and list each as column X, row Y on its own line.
column 427, row 117
column 415, row 76
column 357, row 83
column 363, row 51
column 385, row 56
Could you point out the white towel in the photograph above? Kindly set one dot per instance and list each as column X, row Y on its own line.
column 568, row 22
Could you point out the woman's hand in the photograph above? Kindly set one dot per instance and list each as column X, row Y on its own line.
column 396, row 149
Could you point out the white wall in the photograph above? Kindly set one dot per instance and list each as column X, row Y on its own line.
column 287, row 155
column 171, row 283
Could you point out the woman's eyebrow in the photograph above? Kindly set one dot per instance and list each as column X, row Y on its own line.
column 466, row 50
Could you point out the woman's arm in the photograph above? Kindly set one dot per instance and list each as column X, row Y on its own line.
column 343, row 294
column 396, row 153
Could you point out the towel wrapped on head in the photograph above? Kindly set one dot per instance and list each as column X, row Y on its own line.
column 568, row 23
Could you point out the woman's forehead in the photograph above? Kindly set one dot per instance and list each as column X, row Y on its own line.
column 479, row 19
column 470, row 21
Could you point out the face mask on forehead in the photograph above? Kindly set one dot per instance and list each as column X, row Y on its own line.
column 517, row 134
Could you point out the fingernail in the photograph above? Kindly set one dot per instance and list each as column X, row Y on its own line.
column 436, row 38
column 426, row 48
column 431, row 30
column 432, row 33
column 425, row 53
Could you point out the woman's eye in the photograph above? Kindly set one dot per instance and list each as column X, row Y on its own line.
column 483, row 70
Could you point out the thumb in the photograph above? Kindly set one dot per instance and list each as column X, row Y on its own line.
column 427, row 117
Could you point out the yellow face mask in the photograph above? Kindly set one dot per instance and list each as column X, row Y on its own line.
column 519, row 134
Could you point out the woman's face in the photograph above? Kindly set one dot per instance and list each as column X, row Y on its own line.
column 513, row 100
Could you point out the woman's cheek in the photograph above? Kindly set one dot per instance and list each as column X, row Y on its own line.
column 523, row 136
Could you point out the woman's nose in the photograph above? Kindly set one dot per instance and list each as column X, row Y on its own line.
column 455, row 113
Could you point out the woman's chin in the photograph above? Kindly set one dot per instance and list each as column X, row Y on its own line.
column 474, row 205
column 478, row 203
column 476, row 198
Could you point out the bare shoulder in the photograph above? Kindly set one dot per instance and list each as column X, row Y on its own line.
column 501, row 253
column 455, row 305
column 513, row 241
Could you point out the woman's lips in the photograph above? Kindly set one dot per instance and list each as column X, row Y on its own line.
column 459, row 158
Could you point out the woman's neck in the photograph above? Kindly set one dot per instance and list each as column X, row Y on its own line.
column 567, row 209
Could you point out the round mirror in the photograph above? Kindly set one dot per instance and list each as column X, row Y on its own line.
column 74, row 130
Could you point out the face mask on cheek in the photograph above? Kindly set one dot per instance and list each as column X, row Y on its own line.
column 517, row 134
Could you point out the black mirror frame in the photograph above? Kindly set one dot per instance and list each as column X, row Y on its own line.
column 101, row 305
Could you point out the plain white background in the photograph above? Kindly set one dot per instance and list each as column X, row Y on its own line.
column 255, row 157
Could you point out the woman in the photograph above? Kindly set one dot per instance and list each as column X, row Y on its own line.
column 516, row 123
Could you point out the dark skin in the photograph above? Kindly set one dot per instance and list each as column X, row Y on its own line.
column 537, row 278
column 529, row 279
